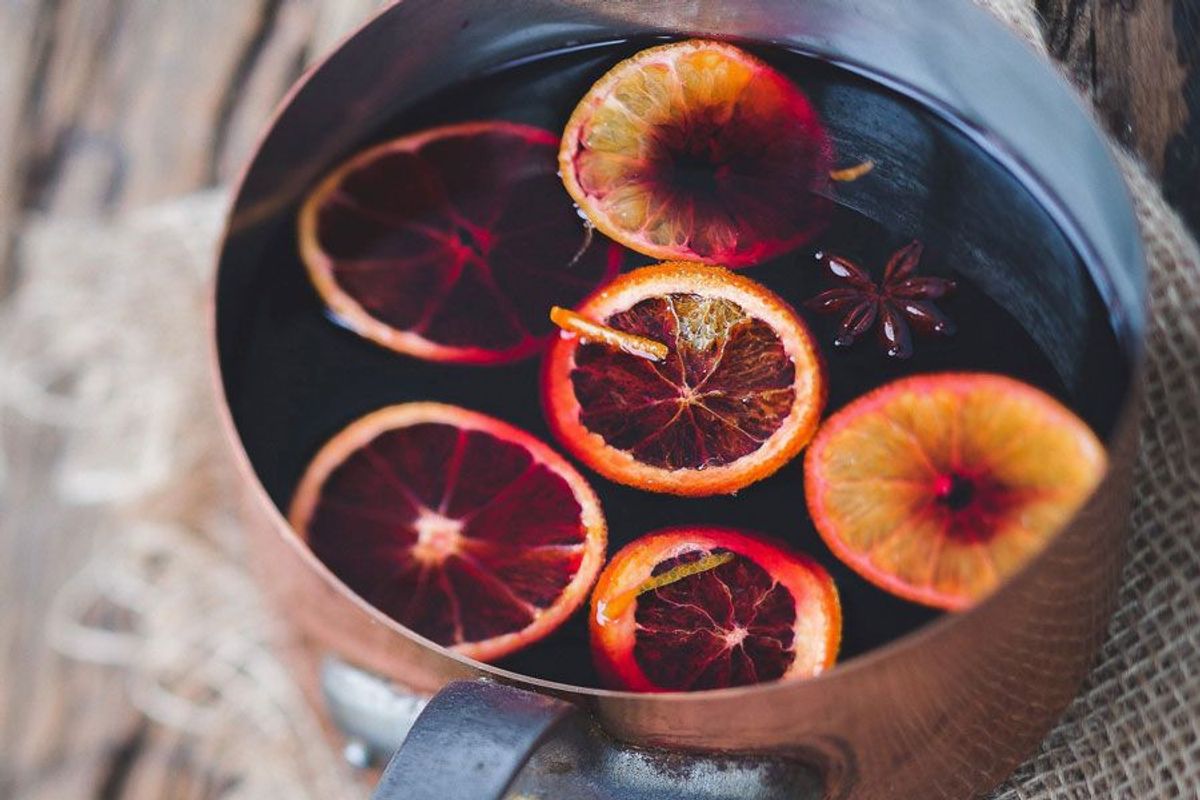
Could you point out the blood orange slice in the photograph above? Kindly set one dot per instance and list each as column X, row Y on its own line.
column 738, row 396
column 452, row 244
column 698, row 151
column 937, row 487
column 705, row 608
column 461, row 527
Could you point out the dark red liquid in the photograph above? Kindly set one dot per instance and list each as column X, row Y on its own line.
column 1024, row 307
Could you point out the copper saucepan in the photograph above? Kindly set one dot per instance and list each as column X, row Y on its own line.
column 944, row 712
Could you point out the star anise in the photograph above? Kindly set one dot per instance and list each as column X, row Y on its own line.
column 901, row 299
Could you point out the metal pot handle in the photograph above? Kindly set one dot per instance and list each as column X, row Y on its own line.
column 479, row 740
column 470, row 742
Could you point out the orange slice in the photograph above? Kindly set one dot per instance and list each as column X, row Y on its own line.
column 937, row 487
column 452, row 244
column 698, row 151
column 738, row 396
column 695, row 608
column 464, row 529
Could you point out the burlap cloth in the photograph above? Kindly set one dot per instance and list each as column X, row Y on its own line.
column 104, row 340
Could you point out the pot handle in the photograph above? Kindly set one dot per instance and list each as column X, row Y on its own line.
column 470, row 742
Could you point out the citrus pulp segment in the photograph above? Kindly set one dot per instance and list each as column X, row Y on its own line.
column 699, row 607
column 460, row 527
column 738, row 396
column 452, row 244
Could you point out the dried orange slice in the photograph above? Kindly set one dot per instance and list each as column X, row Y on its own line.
column 624, row 341
column 738, row 396
column 694, row 608
column 698, row 151
column 461, row 527
column 937, row 487
column 451, row 244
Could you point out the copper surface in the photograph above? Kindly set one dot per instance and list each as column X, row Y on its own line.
column 943, row 713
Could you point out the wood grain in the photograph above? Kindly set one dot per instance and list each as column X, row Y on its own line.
column 106, row 105
column 1140, row 62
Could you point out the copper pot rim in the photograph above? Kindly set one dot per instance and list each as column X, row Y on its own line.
column 868, row 661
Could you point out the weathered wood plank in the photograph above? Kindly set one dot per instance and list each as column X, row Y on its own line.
column 1139, row 79
column 1181, row 161
column 1140, row 60
column 107, row 105
column 156, row 98
column 1071, row 37
column 25, row 30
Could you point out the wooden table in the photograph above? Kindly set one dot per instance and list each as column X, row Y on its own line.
column 93, row 121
